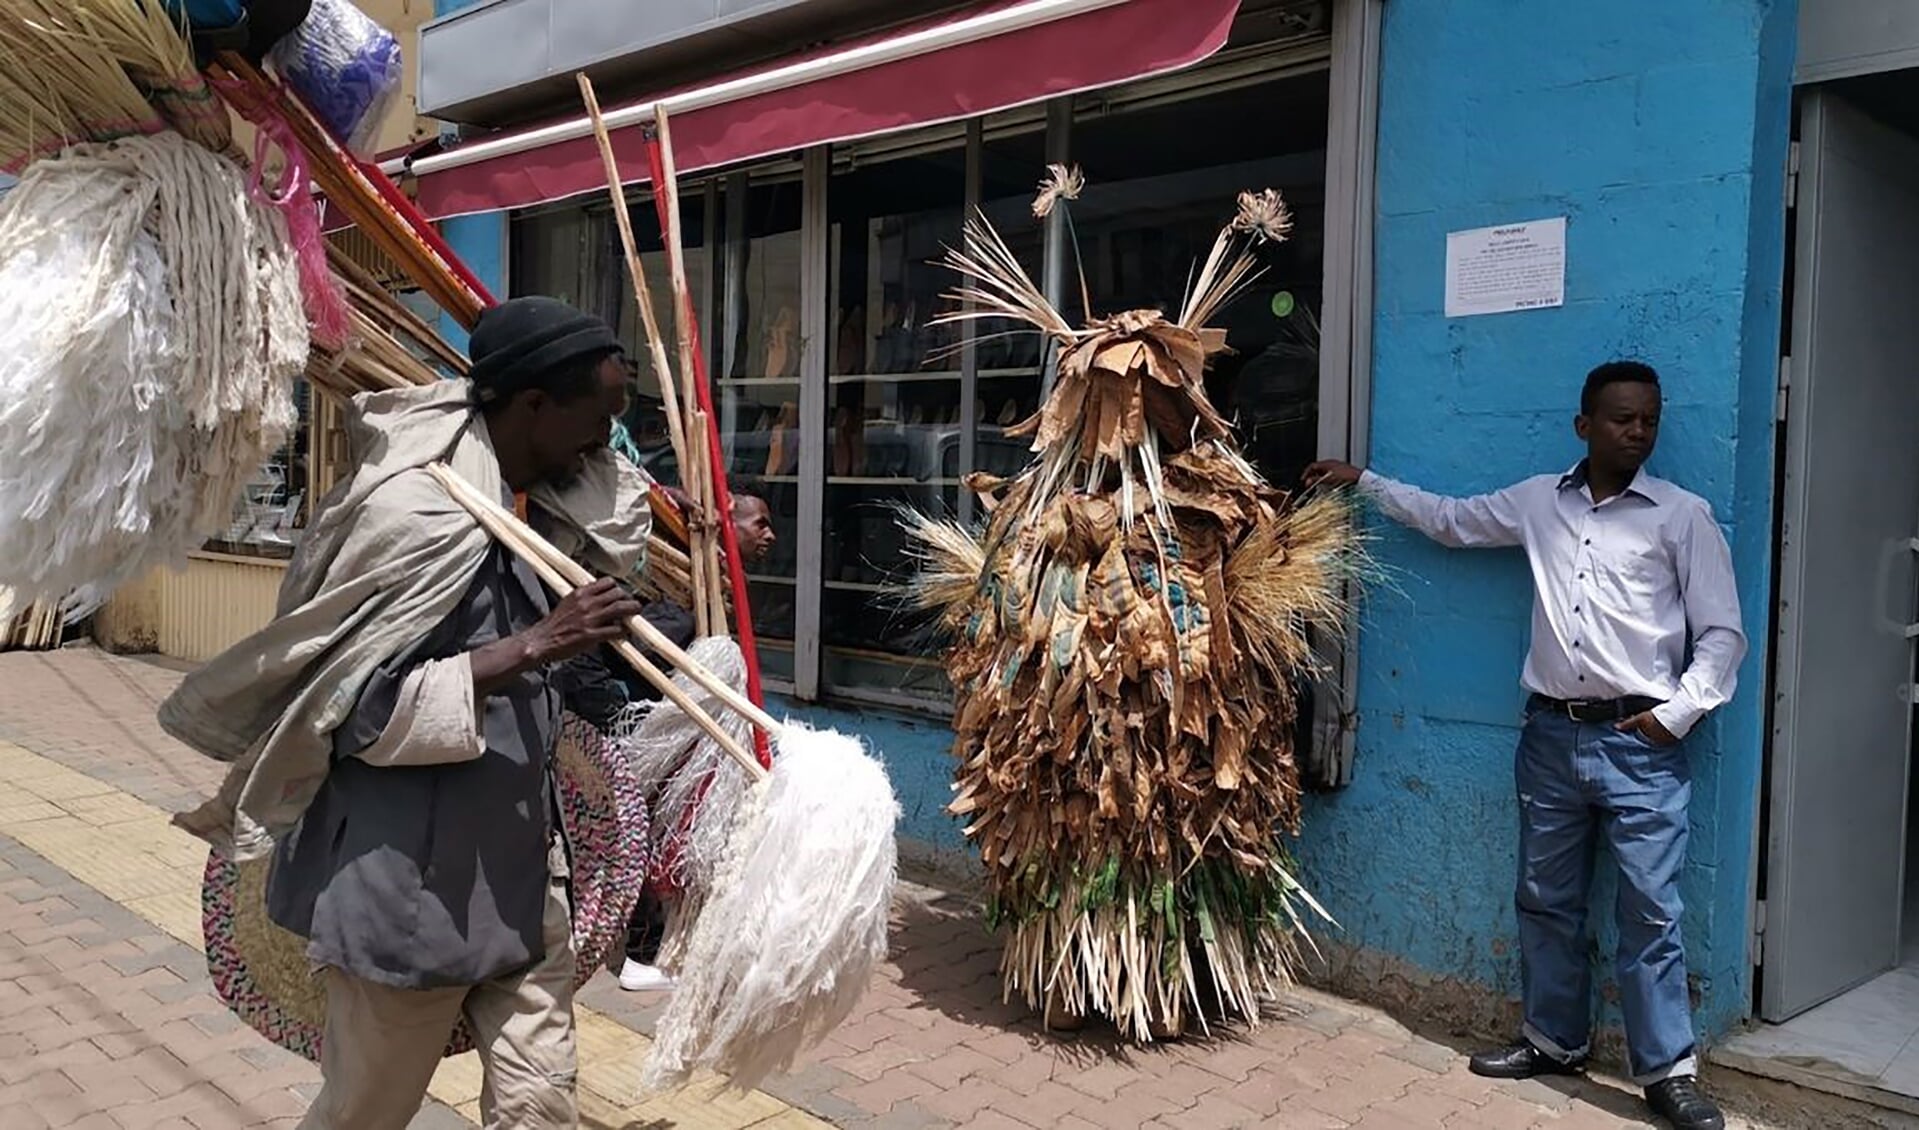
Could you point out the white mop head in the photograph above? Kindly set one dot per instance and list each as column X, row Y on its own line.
column 692, row 787
column 796, row 919
column 151, row 327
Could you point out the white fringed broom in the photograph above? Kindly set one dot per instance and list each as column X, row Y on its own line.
column 796, row 918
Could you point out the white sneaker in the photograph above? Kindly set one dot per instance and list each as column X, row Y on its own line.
column 638, row 978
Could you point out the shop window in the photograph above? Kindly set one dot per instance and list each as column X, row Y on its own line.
column 894, row 408
column 1011, row 164
column 1160, row 180
column 903, row 408
column 757, row 342
column 554, row 252
column 272, row 508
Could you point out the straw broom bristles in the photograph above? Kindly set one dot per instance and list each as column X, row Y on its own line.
column 117, row 67
column 34, row 120
column 1295, row 574
column 65, row 79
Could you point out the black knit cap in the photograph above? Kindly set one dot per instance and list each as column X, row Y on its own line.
column 522, row 339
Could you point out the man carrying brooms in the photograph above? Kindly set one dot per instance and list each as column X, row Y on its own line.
column 395, row 728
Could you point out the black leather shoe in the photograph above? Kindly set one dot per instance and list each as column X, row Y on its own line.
column 1678, row 1101
column 1521, row 1061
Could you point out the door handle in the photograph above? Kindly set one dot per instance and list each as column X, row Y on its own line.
column 1911, row 630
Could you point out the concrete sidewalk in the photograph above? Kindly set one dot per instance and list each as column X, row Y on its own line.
column 110, row 1020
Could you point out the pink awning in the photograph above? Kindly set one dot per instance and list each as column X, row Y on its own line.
column 1084, row 51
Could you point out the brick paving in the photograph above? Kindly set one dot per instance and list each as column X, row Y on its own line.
column 108, row 1019
column 105, row 1021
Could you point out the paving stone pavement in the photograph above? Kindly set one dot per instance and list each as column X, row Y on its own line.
column 108, row 1019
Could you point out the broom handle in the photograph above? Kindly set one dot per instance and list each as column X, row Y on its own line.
column 659, row 143
column 642, row 294
column 567, row 574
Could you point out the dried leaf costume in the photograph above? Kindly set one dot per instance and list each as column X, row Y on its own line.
column 1127, row 627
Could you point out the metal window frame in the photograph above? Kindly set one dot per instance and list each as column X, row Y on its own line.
column 810, row 560
column 1346, row 323
column 969, row 331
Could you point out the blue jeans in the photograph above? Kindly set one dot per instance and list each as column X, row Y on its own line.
column 1579, row 782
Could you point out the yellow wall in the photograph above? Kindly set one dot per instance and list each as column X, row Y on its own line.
column 403, row 18
column 195, row 614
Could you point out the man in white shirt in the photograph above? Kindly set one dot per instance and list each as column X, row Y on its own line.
column 1627, row 571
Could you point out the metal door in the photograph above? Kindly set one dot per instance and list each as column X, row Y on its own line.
column 1850, row 512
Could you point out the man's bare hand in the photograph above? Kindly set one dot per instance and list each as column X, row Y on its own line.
column 1649, row 728
column 587, row 617
column 1331, row 473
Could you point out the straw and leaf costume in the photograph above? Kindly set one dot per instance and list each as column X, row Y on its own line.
column 1127, row 627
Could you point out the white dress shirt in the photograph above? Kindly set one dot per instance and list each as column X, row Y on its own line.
column 1618, row 587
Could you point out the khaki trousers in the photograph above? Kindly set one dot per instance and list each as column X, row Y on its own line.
column 383, row 1044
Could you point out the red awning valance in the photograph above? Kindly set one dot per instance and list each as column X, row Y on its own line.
column 968, row 66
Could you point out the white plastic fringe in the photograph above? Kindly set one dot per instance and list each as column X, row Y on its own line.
column 150, row 329
column 795, row 922
column 693, row 788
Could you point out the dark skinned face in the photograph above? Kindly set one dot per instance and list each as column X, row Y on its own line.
column 1622, row 429
column 563, row 433
column 753, row 524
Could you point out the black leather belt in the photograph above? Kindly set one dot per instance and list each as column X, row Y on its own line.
column 1594, row 709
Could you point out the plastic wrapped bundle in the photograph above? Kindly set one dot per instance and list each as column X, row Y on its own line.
column 344, row 66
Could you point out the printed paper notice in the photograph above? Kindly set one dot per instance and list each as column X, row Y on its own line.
column 1510, row 267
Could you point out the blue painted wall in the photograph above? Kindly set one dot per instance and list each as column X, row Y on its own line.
column 480, row 242
column 1660, row 131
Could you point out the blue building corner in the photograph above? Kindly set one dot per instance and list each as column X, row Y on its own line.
column 1660, row 132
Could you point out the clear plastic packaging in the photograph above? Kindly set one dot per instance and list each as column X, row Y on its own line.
column 346, row 67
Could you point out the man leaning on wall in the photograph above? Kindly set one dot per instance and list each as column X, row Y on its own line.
column 1628, row 571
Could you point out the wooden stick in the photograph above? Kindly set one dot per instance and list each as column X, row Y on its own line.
column 567, row 574
column 520, row 540
column 371, row 298
column 666, row 203
column 667, row 189
column 708, row 535
column 642, row 294
column 697, row 473
column 659, row 549
column 710, row 559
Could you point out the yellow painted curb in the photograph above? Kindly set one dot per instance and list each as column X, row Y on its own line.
column 127, row 850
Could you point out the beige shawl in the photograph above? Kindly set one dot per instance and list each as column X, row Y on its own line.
column 386, row 559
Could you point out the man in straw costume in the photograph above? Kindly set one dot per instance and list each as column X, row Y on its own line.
column 394, row 731
column 1127, row 627
column 1627, row 570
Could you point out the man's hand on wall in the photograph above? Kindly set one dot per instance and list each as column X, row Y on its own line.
column 1331, row 473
